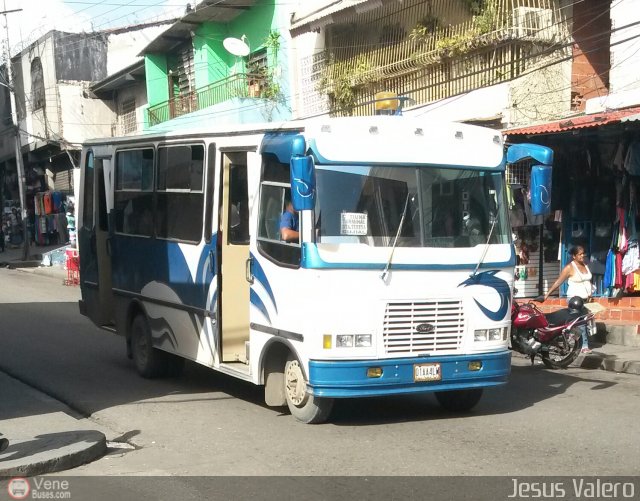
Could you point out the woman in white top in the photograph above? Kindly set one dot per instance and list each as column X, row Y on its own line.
column 578, row 276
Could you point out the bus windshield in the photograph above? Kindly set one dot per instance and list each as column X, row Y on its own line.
column 442, row 207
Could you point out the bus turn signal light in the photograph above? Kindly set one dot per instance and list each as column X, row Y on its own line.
column 476, row 365
column 374, row 372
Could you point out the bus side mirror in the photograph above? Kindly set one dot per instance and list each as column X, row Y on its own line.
column 540, row 182
column 524, row 151
column 540, row 187
column 303, row 182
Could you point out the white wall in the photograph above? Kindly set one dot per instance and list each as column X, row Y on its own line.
column 310, row 102
column 481, row 103
column 625, row 57
column 624, row 77
column 123, row 48
column 83, row 118
column 543, row 94
column 139, row 93
column 43, row 121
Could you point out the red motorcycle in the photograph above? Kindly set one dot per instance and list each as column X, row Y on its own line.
column 555, row 336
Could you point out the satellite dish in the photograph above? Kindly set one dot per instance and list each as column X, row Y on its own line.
column 236, row 46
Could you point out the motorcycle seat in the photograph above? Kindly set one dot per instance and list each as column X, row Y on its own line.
column 562, row 316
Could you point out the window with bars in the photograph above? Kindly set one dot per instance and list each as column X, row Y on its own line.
column 127, row 116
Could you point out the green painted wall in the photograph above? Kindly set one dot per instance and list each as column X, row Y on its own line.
column 155, row 67
column 255, row 24
column 212, row 62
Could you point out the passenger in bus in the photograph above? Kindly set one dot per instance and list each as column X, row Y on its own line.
column 289, row 223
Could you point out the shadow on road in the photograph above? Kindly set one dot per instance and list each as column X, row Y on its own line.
column 51, row 347
column 527, row 386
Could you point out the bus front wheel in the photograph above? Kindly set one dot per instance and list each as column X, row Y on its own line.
column 459, row 400
column 303, row 406
column 149, row 361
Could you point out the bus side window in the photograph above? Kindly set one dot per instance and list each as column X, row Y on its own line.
column 133, row 195
column 179, row 192
column 273, row 189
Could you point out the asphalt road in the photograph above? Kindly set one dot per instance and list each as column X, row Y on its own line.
column 570, row 422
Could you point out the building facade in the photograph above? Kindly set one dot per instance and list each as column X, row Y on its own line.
column 226, row 62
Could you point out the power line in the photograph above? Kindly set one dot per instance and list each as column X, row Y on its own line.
column 297, row 95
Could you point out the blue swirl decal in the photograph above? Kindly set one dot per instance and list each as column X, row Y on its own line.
column 260, row 276
column 257, row 302
column 489, row 279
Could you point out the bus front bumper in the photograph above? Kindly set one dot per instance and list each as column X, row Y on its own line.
column 349, row 378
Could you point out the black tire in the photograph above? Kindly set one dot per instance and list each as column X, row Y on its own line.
column 304, row 407
column 459, row 400
column 149, row 361
column 561, row 352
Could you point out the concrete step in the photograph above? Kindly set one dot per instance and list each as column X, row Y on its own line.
column 624, row 334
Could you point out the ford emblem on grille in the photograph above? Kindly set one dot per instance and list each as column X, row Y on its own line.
column 425, row 328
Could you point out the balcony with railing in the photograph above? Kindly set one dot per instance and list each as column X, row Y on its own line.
column 429, row 57
column 240, row 85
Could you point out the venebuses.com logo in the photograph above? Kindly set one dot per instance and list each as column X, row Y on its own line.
column 18, row 488
column 38, row 488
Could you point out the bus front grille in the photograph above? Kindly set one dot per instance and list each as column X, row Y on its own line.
column 419, row 327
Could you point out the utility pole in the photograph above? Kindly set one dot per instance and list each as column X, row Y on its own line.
column 22, row 181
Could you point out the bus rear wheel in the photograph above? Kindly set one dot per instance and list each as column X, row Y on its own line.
column 149, row 361
column 459, row 400
column 303, row 406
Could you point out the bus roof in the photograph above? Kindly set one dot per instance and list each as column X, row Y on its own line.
column 367, row 139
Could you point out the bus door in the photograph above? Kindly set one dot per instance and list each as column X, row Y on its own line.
column 95, row 261
column 234, row 262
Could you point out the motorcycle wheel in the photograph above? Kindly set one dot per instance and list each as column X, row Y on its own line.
column 562, row 351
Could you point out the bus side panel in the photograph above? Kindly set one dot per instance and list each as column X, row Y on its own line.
column 175, row 285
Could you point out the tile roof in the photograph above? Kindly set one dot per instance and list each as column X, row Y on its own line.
column 577, row 122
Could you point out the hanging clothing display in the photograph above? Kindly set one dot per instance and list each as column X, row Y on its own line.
column 50, row 221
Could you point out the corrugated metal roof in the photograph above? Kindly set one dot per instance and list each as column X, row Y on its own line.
column 304, row 19
column 631, row 118
column 215, row 11
column 577, row 122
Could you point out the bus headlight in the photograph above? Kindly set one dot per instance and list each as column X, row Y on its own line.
column 499, row 334
column 480, row 335
column 344, row 340
column 351, row 340
column 494, row 334
column 363, row 340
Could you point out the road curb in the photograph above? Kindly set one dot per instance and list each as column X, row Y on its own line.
column 625, row 366
column 30, row 456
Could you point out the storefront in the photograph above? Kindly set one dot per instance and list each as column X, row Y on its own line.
column 596, row 194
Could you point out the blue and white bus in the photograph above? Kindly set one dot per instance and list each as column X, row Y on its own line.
column 400, row 282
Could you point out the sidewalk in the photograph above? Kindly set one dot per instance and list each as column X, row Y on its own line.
column 12, row 258
column 44, row 435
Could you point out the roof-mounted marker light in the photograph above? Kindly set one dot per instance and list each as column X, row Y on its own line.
column 459, row 134
column 373, row 129
column 419, row 132
column 386, row 103
column 325, row 128
column 497, row 139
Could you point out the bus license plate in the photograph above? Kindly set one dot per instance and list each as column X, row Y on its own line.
column 427, row 372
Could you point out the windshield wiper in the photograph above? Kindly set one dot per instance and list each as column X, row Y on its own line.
column 486, row 246
column 383, row 276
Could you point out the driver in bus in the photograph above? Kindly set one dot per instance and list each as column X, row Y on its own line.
column 289, row 223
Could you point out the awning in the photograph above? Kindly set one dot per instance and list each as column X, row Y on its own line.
column 313, row 18
column 123, row 78
column 577, row 122
column 215, row 11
